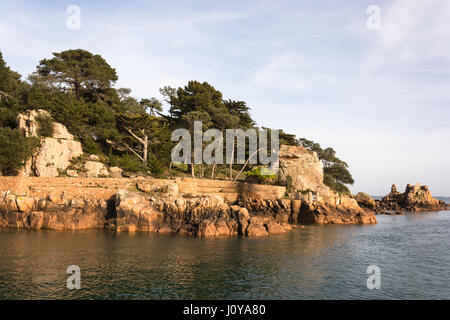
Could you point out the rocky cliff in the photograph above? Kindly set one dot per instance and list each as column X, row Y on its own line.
column 54, row 153
column 303, row 167
column 52, row 212
column 319, row 204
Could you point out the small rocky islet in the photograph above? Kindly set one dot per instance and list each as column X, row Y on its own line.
column 415, row 198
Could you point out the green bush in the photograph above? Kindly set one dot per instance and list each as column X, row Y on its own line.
column 90, row 146
column 127, row 162
column 15, row 149
column 155, row 167
column 45, row 126
column 255, row 176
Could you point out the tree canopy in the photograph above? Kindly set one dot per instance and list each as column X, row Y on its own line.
column 77, row 88
column 80, row 71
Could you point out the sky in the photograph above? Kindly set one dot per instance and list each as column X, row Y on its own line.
column 318, row 69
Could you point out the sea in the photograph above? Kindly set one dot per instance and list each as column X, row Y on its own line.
column 408, row 254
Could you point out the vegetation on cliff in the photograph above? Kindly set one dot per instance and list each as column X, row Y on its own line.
column 77, row 88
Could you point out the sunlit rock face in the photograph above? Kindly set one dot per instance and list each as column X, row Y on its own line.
column 54, row 153
column 303, row 167
column 200, row 215
column 318, row 204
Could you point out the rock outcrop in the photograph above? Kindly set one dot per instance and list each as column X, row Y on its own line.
column 136, row 211
column 201, row 216
column 203, row 209
column 303, row 167
column 54, row 153
column 366, row 201
column 415, row 198
column 52, row 213
column 344, row 210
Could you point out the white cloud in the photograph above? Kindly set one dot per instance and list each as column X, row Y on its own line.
column 414, row 34
column 291, row 71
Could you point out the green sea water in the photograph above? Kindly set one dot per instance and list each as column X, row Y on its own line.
column 315, row 262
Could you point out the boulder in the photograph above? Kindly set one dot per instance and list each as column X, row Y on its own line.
column 243, row 219
column 72, row 173
column 274, row 227
column 53, row 156
column 116, row 172
column 95, row 169
column 256, row 227
column 94, row 157
column 25, row 204
column 27, row 123
column 365, row 201
column 207, row 228
column 60, row 132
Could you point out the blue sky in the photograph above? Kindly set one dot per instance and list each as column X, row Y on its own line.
column 381, row 98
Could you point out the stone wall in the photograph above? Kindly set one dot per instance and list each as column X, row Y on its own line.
column 105, row 188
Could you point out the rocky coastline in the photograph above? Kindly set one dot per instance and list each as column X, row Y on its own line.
column 64, row 189
column 168, row 211
column 61, row 188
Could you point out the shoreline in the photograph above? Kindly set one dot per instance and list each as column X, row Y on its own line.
column 190, row 206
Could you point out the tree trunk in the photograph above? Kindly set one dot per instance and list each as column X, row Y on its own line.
column 246, row 163
column 212, row 170
column 192, row 170
column 145, row 150
column 231, row 164
column 77, row 87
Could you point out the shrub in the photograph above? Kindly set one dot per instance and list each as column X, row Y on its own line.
column 15, row 149
column 45, row 126
column 127, row 162
column 255, row 176
column 90, row 146
column 155, row 167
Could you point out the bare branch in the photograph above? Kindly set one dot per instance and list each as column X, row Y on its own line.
column 135, row 136
column 246, row 162
column 124, row 147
